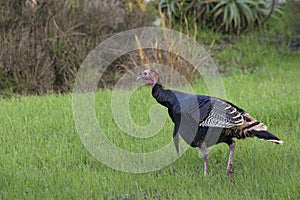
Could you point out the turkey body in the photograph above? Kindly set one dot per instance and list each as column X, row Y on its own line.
column 203, row 121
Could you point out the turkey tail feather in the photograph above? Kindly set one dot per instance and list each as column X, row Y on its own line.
column 254, row 128
column 265, row 135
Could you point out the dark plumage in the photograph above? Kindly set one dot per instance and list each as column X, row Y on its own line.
column 203, row 121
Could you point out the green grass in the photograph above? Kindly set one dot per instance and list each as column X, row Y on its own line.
column 42, row 155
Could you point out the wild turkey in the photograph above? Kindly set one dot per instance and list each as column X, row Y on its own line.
column 203, row 121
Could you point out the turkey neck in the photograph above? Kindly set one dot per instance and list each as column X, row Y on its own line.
column 162, row 96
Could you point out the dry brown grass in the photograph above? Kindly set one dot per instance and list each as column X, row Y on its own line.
column 42, row 46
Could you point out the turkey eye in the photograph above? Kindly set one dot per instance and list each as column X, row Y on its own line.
column 145, row 73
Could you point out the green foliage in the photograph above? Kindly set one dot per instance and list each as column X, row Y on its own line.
column 294, row 11
column 230, row 16
column 239, row 15
column 43, row 47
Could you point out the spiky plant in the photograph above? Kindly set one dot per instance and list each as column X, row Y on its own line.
column 239, row 15
column 231, row 16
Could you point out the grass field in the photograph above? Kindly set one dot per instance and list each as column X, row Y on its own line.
column 42, row 156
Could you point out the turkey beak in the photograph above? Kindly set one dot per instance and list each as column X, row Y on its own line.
column 139, row 77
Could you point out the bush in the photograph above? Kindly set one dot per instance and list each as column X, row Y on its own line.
column 294, row 10
column 228, row 16
column 43, row 46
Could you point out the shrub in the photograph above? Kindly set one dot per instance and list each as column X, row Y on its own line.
column 229, row 16
column 294, row 10
column 43, row 46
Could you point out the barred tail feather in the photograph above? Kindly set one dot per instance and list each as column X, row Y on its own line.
column 265, row 135
column 254, row 128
